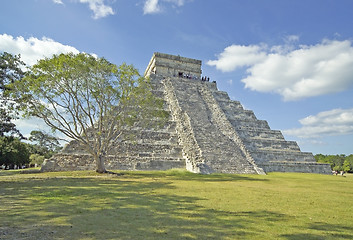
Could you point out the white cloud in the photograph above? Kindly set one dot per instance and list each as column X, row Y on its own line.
column 154, row 6
column 99, row 8
column 33, row 49
column 58, row 1
column 294, row 72
column 236, row 56
column 328, row 123
column 26, row 125
column 151, row 7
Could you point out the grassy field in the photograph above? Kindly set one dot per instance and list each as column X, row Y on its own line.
column 175, row 205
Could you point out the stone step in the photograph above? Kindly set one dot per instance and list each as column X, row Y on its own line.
column 230, row 106
column 250, row 133
column 270, row 144
column 172, row 141
column 237, row 169
column 147, row 150
column 152, row 135
column 165, row 149
column 222, row 96
column 158, row 93
column 261, row 156
column 240, row 115
column 224, row 164
column 254, row 124
column 168, row 127
column 143, row 163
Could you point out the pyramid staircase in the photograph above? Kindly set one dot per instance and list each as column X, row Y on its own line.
column 206, row 133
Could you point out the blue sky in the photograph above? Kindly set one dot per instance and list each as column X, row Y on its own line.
column 291, row 62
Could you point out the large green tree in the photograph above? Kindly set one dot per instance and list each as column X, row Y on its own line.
column 89, row 100
column 11, row 71
column 338, row 162
column 13, row 152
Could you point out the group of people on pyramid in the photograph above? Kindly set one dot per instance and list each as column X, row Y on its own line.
column 205, row 79
column 190, row 76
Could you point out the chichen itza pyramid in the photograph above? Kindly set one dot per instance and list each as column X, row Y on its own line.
column 207, row 132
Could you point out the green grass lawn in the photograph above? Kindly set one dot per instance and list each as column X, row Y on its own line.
column 175, row 205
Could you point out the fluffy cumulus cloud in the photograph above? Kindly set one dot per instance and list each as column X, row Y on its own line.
column 328, row 123
column 99, row 8
column 33, row 49
column 294, row 72
column 154, row 6
column 236, row 56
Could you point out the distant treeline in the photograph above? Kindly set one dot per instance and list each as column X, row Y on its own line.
column 338, row 162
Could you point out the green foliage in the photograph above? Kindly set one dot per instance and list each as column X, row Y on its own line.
column 10, row 72
column 347, row 166
column 337, row 162
column 89, row 99
column 36, row 159
column 44, row 144
column 13, row 152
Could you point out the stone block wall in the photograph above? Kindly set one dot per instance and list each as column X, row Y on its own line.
column 168, row 66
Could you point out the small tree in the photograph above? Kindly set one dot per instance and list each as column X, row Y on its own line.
column 347, row 166
column 89, row 99
column 36, row 159
column 337, row 168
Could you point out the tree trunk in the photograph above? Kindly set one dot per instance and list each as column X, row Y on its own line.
column 100, row 167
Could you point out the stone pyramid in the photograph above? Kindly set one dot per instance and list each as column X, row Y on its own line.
column 207, row 132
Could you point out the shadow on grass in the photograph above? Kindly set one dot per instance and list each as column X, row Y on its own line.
column 179, row 174
column 331, row 231
column 134, row 206
column 86, row 208
column 8, row 172
column 308, row 236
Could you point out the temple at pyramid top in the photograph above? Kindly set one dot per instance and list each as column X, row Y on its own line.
column 166, row 65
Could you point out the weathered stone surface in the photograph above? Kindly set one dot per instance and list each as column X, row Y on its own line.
column 168, row 65
column 207, row 132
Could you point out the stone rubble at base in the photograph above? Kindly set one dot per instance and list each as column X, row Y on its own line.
column 207, row 132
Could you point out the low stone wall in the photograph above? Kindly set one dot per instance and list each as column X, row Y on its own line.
column 68, row 162
column 300, row 167
column 77, row 162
